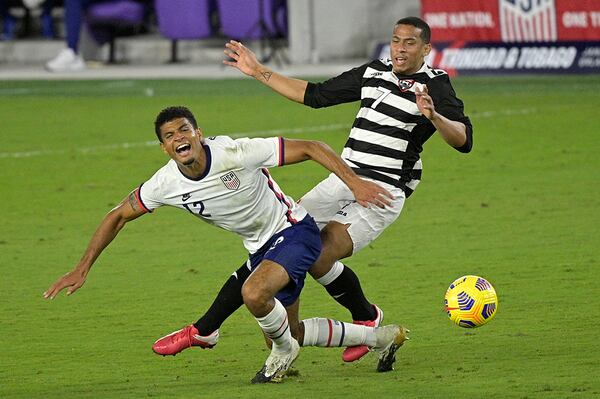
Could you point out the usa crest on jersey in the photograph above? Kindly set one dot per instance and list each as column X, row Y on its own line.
column 231, row 181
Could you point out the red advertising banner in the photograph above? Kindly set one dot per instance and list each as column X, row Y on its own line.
column 578, row 20
column 462, row 20
column 512, row 20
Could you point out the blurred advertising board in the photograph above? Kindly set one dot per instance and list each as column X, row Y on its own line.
column 512, row 36
column 459, row 58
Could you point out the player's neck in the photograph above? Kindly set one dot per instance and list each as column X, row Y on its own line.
column 191, row 171
column 194, row 170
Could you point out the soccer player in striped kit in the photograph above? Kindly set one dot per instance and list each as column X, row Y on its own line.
column 226, row 183
column 403, row 102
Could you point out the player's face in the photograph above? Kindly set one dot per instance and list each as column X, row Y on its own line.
column 407, row 49
column 181, row 141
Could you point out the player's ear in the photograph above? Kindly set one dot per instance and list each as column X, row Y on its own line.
column 427, row 49
column 200, row 134
column 162, row 147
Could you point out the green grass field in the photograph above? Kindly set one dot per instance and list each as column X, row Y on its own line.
column 521, row 210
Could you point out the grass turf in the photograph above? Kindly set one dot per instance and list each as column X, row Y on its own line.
column 520, row 210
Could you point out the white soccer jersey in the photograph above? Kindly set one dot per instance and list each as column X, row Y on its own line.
column 236, row 192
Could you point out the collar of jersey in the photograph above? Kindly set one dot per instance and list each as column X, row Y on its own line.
column 423, row 68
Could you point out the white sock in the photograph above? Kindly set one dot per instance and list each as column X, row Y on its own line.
column 336, row 270
column 327, row 332
column 275, row 326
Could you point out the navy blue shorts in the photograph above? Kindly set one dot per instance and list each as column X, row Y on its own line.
column 296, row 249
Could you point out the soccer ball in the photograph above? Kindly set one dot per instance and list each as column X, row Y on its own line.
column 471, row 301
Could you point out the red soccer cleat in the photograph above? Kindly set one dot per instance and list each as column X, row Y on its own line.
column 353, row 353
column 182, row 339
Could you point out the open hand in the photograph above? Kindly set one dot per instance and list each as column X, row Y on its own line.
column 72, row 281
column 424, row 102
column 243, row 58
column 367, row 192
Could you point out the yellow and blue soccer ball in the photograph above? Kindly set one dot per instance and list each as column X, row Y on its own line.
column 471, row 301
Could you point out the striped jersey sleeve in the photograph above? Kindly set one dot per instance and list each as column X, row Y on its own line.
column 343, row 88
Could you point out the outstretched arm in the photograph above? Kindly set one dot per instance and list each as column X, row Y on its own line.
column 365, row 192
column 245, row 60
column 129, row 209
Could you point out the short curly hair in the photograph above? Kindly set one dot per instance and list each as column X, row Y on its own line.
column 170, row 113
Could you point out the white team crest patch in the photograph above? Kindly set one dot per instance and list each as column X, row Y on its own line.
column 406, row 84
column 231, row 181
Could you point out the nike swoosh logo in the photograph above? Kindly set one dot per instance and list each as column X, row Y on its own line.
column 338, row 296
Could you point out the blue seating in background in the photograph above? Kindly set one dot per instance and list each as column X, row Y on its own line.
column 183, row 20
column 176, row 20
column 110, row 19
column 265, row 20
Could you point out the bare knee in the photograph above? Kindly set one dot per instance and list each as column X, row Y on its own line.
column 258, row 292
column 255, row 298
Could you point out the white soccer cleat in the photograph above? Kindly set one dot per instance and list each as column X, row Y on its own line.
column 389, row 339
column 66, row 61
column 277, row 365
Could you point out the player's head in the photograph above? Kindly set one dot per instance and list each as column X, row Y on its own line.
column 179, row 135
column 170, row 113
column 410, row 45
column 425, row 31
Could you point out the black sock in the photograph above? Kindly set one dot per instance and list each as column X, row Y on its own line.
column 346, row 290
column 225, row 304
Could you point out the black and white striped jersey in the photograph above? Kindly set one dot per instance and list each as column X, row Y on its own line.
column 389, row 131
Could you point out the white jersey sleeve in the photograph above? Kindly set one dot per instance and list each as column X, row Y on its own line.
column 149, row 194
column 261, row 152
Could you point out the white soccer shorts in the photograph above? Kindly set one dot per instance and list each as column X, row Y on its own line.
column 332, row 200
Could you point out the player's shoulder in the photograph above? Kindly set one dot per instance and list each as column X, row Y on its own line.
column 229, row 151
column 383, row 63
column 224, row 146
column 220, row 141
column 432, row 73
column 161, row 179
column 376, row 69
column 437, row 80
column 233, row 144
column 166, row 172
column 224, row 150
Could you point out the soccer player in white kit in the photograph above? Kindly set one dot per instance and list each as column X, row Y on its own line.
column 226, row 183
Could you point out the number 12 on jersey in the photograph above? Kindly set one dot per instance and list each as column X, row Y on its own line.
column 196, row 205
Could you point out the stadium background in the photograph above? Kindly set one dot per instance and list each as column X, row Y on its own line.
column 521, row 210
